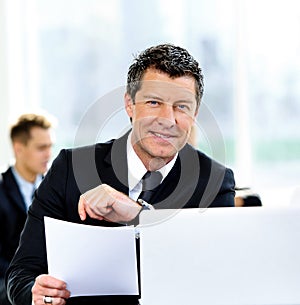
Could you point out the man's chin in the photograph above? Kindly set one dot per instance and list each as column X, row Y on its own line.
column 166, row 155
column 42, row 170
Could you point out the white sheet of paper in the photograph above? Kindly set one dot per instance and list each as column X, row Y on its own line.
column 92, row 260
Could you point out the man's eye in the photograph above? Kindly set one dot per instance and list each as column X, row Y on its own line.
column 182, row 107
column 153, row 103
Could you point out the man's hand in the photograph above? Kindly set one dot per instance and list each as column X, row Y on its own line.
column 46, row 285
column 105, row 203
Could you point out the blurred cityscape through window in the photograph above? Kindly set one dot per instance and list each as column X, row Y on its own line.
column 65, row 55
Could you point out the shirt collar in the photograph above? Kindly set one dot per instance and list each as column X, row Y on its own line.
column 26, row 188
column 136, row 168
column 22, row 182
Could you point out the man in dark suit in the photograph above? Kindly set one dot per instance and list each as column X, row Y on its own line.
column 31, row 142
column 100, row 184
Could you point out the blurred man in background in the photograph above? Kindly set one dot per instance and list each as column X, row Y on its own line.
column 32, row 140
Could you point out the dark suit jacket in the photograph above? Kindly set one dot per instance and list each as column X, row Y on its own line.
column 12, row 218
column 195, row 180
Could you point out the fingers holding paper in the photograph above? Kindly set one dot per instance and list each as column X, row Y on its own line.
column 105, row 203
column 47, row 288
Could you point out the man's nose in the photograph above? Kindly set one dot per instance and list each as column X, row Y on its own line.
column 48, row 152
column 167, row 115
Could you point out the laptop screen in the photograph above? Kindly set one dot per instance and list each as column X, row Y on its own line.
column 220, row 256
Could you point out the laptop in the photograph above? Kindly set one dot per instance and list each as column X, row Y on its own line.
column 218, row 256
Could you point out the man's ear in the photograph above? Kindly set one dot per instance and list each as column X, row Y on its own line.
column 18, row 147
column 128, row 104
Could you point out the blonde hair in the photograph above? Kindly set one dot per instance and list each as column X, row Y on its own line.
column 20, row 131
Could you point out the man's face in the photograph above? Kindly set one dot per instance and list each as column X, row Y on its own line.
column 34, row 156
column 163, row 114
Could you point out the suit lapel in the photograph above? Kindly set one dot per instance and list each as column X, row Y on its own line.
column 180, row 184
column 176, row 189
column 115, row 173
column 13, row 191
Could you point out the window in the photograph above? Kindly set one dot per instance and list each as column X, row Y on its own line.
column 67, row 56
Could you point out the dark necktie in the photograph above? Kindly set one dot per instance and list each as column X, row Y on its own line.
column 150, row 181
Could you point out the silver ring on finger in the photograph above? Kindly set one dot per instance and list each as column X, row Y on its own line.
column 47, row 300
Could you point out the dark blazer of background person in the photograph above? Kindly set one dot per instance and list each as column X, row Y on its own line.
column 58, row 197
column 12, row 218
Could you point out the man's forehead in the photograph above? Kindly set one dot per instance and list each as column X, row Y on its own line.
column 38, row 134
column 167, row 87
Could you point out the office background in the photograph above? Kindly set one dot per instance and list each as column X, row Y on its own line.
column 63, row 56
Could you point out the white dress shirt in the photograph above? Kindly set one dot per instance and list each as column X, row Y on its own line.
column 136, row 170
column 26, row 188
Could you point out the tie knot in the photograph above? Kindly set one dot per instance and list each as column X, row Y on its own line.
column 151, row 180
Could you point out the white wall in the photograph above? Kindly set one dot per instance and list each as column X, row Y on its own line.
column 5, row 151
